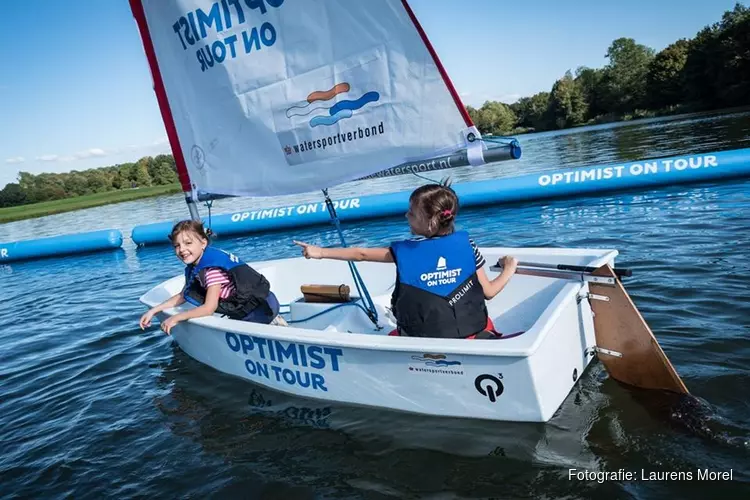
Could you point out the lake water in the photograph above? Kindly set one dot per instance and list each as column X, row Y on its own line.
column 91, row 406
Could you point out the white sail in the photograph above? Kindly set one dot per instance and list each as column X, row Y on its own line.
column 268, row 97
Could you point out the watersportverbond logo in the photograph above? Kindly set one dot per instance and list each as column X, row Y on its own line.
column 327, row 108
column 442, row 275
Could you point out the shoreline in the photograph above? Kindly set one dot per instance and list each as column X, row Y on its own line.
column 36, row 210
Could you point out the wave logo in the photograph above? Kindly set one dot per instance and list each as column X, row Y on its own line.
column 438, row 360
column 333, row 111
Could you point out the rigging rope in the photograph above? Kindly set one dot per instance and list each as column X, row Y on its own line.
column 372, row 313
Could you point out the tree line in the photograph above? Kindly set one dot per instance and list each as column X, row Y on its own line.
column 709, row 71
column 30, row 188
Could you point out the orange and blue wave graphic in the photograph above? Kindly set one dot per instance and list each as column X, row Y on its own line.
column 334, row 111
column 435, row 360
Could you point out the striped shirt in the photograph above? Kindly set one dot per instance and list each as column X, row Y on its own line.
column 217, row 276
column 478, row 257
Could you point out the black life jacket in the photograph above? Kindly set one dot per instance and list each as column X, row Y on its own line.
column 437, row 292
column 251, row 287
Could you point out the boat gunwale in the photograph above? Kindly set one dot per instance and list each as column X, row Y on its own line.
column 542, row 327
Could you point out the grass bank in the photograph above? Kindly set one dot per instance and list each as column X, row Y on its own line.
column 33, row 210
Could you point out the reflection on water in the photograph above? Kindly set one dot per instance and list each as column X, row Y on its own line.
column 194, row 386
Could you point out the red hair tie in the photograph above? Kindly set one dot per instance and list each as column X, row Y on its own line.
column 447, row 213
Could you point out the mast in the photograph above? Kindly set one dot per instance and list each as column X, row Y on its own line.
column 440, row 67
column 139, row 14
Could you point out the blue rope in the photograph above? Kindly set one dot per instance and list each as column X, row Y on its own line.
column 372, row 313
column 500, row 139
column 354, row 303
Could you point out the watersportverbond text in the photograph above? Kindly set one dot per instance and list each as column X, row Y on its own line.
column 272, row 359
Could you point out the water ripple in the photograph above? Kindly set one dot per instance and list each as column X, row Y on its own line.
column 91, row 406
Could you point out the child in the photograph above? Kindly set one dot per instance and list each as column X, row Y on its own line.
column 215, row 281
column 441, row 286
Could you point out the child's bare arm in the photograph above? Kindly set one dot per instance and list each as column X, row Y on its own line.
column 350, row 254
column 495, row 286
column 209, row 306
column 173, row 301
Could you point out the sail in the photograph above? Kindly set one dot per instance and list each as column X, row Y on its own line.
column 268, row 97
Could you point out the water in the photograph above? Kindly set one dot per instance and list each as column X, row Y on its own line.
column 90, row 405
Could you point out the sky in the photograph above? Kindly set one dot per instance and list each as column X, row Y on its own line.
column 76, row 90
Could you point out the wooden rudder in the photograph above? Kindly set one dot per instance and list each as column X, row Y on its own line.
column 620, row 327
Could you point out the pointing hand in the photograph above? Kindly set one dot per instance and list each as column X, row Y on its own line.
column 310, row 251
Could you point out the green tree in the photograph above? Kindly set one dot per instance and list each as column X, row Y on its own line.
column 48, row 187
column 494, row 118
column 12, row 195
column 76, row 184
column 117, row 181
column 533, row 111
column 163, row 171
column 665, row 75
column 127, row 173
column 97, row 181
column 166, row 169
column 567, row 105
column 142, row 177
column 625, row 76
column 589, row 80
column 718, row 64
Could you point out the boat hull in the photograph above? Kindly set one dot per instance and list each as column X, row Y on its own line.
column 522, row 378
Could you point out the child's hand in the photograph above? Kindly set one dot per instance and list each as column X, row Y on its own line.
column 310, row 251
column 509, row 264
column 167, row 324
column 145, row 321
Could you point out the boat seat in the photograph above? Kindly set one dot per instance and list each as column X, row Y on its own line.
column 341, row 317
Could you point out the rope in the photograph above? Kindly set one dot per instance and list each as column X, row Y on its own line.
column 372, row 313
column 353, row 303
column 500, row 139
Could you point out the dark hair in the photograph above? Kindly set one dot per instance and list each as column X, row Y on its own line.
column 437, row 205
column 192, row 226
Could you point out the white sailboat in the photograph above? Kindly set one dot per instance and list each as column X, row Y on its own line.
column 273, row 97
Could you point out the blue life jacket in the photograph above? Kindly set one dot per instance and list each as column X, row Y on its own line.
column 437, row 292
column 251, row 287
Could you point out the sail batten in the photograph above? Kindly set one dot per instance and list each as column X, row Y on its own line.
column 276, row 97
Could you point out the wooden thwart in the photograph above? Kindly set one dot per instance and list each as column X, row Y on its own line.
column 326, row 293
column 620, row 327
